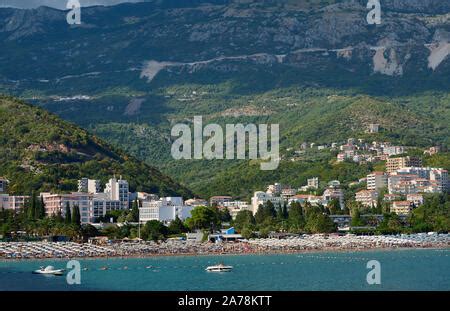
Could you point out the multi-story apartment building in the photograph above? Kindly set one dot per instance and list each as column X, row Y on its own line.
column 389, row 198
column 261, row 198
column 404, row 184
column 333, row 192
column 394, row 164
column 164, row 210
column 288, row 193
column 196, row 202
column 87, row 185
column 274, row 189
column 311, row 199
column 416, row 199
column 313, row 183
column 401, row 207
column 394, row 150
column 144, row 196
column 368, row 198
column 440, row 178
column 118, row 190
column 234, row 207
column 219, row 200
column 100, row 205
column 13, row 202
column 56, row 203
column 91, row 206
column 426, row 179
column 377, row 181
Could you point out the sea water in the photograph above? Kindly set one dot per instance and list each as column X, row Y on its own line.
column 423, row 269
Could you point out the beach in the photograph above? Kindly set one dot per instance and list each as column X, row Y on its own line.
column 297, row 244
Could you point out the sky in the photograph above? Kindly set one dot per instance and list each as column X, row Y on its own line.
column 60, row 4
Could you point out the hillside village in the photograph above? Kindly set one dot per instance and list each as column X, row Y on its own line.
column 398, row 189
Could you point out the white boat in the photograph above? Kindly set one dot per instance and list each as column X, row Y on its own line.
column 219, row 268
column 49, row 270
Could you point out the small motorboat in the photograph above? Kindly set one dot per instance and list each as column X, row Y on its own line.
column 219, row 268
column 49, row 270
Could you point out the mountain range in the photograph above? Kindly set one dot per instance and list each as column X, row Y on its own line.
column 130, row 72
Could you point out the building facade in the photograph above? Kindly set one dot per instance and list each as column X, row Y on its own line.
column 87, row 185
column 13, row 202
column 234, row 207
column 401, row 207
column 313, row 183
column 118, row 189
column 57, row 203
column 261, row 198
column 368, row 198
column 394, row 164
column 164, row 210
column 219, row 200
column 377, row 181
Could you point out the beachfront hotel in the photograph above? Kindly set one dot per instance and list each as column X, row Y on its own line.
column 394, row 164
column 56, row 204
column 164, row 210
column 92, row 206
column 118, row 189
column 261, row 198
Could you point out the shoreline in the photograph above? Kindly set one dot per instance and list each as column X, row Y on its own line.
column 257, row 253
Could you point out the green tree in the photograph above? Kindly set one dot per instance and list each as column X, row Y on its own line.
column 135, row 211
column 177, row 226
column 296, row 219
column 284, row 211
column 204, row 217
column 68, row 214
column 244, row 219
column 356, row 218
column 154, row 230
column 247, row 233
column 41, row 214
column 265, row 213
column 33, row 208
column 320, row 223
column 76, row 217
column 88, row 231
column 334, row 207
column 225, row 215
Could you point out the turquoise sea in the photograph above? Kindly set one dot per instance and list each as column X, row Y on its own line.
column 400, row 270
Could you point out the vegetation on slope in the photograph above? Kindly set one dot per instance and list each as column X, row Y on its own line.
column 39, row 151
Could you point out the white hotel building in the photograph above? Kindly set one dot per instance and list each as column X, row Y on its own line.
column 377, row 181
column 164, row 210
column 410, row 180
column 118, row 190
column 261, row 198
